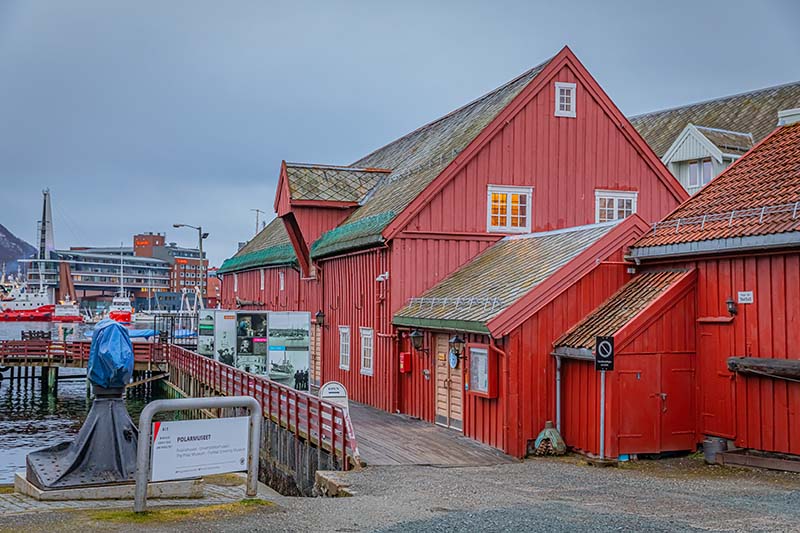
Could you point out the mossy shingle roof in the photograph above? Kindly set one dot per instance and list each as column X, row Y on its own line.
column 329, row 183
column 270, row 247
column 754, row 112
column 387, row 180
column 498, row 278
column 620, row 308
column 416, row 159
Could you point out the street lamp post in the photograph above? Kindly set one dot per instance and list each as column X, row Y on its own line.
column 200, row 237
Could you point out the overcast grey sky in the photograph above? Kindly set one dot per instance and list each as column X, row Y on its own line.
column 139, row 114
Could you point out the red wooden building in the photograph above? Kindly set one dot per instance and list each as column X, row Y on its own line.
column 547, row 150
column 704, row 334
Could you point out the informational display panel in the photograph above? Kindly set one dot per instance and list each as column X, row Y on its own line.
column 225, row 336
column 251, row 341
column 290, row 348
column 193, row 448
column 205, row 333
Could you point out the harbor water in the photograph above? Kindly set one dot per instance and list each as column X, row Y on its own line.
column 29, row 419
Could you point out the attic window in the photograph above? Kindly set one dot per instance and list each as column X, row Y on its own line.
column 509, row 209
column 614, row 205
column 700, row 172
column 565, row 99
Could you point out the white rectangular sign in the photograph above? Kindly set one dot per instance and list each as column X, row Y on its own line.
column 193, row 448
column 745, row 297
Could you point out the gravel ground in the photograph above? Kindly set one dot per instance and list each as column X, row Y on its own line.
column 538, row 494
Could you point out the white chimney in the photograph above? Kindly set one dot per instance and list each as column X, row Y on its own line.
column 788, row 116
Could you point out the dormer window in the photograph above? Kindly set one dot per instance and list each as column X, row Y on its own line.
column 700, row 172
column 565, row 99
column 509, row 209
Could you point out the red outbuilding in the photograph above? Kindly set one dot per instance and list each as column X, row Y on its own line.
column 354, row 244
column 704, row 334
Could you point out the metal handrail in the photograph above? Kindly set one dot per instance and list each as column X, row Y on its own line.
column 185, row 404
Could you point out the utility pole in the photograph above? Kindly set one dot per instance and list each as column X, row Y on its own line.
column 258, row 212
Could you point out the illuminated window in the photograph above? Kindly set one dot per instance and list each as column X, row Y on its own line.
column 614, row 205
column 509, row 209
column 366, row 351
column 344, row 347
column 565, row 99
column 700, row 172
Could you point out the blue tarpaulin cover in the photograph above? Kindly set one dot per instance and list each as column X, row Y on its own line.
column 111, row 355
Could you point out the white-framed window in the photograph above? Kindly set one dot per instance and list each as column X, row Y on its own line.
column 262, row 278
column 700, row 172
column 344, row 347
column 614, row 205
column 367, row 350
column 235, row 283
column 509, row 209
column 281, row 281
column 565, row 99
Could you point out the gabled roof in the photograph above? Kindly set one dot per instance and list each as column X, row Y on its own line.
column 329, row 183
column 756, row 197
column 416, row 159
column 497, row 278
column 717, row 143
column 754, row 112
column 270, row 247
column 619, row 309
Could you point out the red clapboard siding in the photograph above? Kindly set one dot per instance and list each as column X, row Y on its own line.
column 564, row 160
column 353, row 297
column 298, row 294
column 765, row 414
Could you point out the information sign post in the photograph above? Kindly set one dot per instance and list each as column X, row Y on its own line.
column 197, row 447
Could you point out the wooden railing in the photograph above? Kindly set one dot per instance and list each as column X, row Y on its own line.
column 316, row 421
column 72, row 353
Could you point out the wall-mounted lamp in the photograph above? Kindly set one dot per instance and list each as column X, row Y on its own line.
column 320, row 318
column 733, row 309
column 457, row 345
column 417, row 340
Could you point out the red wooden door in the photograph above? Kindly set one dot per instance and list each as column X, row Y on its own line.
column 677, row 402
column 640, row 403
column 715, row 345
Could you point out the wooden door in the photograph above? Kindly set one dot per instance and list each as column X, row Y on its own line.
column 449, row 386
column 677, row 402
column 639, row 402
column 715, row 345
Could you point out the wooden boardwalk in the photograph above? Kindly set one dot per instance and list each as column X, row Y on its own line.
column 387, row 439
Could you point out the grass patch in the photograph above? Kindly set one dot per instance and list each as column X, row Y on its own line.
column 178, row 514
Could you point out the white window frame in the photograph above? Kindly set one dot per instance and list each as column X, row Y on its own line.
column 262, row 279
column 509, row 190
column 616, row 196
column 344, row 347
column 235, row 282
column 281, row 281
column 367, row 341
column 700, row 167
column 559, row 85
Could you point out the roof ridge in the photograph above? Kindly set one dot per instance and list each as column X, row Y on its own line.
column 717, row 99
column 337, row 167
column 558, row 231
column 460, row 108
column 720, row 130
